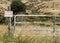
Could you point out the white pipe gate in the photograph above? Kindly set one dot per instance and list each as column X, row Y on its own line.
column 54, row 23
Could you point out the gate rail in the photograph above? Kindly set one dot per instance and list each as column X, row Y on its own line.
column 54, row 23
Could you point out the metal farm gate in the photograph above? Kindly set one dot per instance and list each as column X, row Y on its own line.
column 39, row 30
column 34, row 31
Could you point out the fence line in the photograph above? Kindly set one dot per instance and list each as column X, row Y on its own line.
column 36, row 15
column 54, row 23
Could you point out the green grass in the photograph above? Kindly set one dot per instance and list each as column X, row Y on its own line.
column 29, row 39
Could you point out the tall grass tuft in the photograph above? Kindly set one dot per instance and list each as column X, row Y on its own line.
column 29, row 39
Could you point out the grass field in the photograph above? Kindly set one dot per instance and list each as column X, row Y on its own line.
column 27, row 39
column 3, row 29
column 30, row 29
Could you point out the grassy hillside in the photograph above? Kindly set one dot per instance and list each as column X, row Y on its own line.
column 4, row 6
column 44, row 6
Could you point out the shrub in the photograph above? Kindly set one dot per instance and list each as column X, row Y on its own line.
column 17, row 6
column 2, row 20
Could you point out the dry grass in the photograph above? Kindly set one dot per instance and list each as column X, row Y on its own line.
column 3, row 29
column 21, row 30
column 35, row 30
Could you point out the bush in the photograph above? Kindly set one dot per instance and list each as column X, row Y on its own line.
column 17, row 6
column 2, row 20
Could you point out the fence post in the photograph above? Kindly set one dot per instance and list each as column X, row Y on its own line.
column 54, row 25
column 9, row 23
column 9, row 26
column 14, row 22
column 54, row 28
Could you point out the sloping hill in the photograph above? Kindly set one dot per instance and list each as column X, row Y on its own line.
column 45, row 6
column 40, row 6
column 4, row 6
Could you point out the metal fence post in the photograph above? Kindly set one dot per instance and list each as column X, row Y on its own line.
column 9, row 26
column 54, row 25
column 14, row 22
column 54, row 28
column 9, row 22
